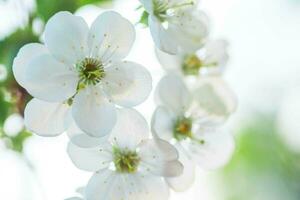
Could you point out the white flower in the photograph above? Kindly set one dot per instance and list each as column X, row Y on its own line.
column 209, row 60
column 13, row 125
column 3, row 73
column 79, row 74
column 130, row 166
column 176, row 24
column 193, row 126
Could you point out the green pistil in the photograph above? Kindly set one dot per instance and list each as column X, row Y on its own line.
column 183, row 128
column 161, row 8
column 191, row 65
column 125, row 161
column 180, row 5
column 91, row 71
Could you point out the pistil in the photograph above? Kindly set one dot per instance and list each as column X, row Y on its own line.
column 91, row 71
column 125, row 161
column 183, row 128
column 191, row 65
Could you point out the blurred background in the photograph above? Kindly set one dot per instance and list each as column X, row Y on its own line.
column 264, row 72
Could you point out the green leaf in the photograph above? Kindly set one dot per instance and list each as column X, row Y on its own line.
column 144, row 18
column 47, row 8
column 99, row 2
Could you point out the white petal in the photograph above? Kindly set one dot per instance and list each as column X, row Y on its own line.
column 158, row 150
column 163, row 122
column 127, row 83
column 81, row 139
column 111, row 37
column 74, row 198
column 189, row 29
column 171, row 63
column 102, row 185
column 49, row 80
column 66, row 37
column 47, row 119
column 187, row 178
column 216, row 151
column 214, row 96
column 112, row 186
column 172, row 93
column 25, row 55
column 90, row 159
column 93, row 112
column 80, row 190
column 166, row 169
column 148, row 5
column 161, row 36
column 145, row 187
column 160, row 158
column 176, row 2
column 216, row 52
column 131, row 128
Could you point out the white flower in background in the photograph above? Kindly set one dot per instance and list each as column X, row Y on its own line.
column 13, row 125
column 209, row 60
column 3, row 73
column 38, row 26
column 79, row 74
column 196, row 134
column 176, row 24
column 130, row 166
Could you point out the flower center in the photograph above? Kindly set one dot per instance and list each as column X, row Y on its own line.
column 191, row 65
column 91, row 71
column 164, row 8
column 125, row 161
column 160, row 9
column 183, row 128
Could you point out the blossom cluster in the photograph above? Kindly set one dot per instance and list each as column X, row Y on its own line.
column 83, row 85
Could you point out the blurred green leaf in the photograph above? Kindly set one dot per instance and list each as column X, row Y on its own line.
column 18, row 141
column 10, row 46
column 262, row 167
column 84, row 2
column 47, row 8
column 4, row 108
